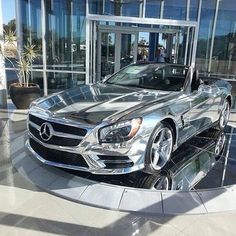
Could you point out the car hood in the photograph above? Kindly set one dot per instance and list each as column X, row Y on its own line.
column 95, row 103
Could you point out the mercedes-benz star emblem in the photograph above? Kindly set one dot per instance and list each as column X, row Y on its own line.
column 46, row 131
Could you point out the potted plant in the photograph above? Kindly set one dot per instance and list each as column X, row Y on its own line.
column 23, row 92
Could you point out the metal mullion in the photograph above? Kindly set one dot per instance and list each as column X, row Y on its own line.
column 94, row 50
column 213, row 35
column 186, row 47
column 129, row 30
column 136, row 46
column 117, row 51
column 30, row 23
column 3, row 80
column 177, row 47
column 191, row 47
column 71, row 36
column 18, row 24
column 65, row 71
column 56, row 71
column 188, row 10
column 103, row 7
column 99, row 54
column 90, row 51
column 43, row 17
column 144, row 8
column 162, row 9
column 137, row 20
column 87, row 45
column 194, row 50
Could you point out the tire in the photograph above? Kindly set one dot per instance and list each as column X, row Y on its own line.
column 161, row 181
column 219, row 138
column 159, row 148
column 224, row 115
column 220, row 145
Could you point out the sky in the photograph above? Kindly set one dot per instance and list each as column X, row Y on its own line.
column 8, row 12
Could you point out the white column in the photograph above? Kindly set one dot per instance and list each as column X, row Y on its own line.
column 3, row 81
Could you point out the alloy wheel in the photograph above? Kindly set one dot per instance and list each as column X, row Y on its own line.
column 162, row 183
column 224, row 115
column 220, row 144
column 161, row 148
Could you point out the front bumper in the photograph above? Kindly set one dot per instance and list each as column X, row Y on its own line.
column 68, row 149
column 94, row 164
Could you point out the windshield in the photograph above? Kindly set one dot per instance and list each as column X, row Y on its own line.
column 151, row 76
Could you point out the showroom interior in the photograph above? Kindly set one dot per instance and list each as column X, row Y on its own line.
column 84, row 42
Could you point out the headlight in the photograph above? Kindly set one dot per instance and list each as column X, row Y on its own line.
column 120, row 132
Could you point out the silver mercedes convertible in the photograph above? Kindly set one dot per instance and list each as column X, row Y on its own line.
column 131, row 121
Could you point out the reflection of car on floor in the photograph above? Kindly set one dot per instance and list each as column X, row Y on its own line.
column 132, row 121
column 189, row 164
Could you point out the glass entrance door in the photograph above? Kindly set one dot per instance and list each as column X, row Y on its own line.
column 120, row 46
column 107, row 47
column 128, row 49
column 115, row 51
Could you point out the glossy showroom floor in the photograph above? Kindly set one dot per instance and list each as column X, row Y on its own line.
column 28, row 210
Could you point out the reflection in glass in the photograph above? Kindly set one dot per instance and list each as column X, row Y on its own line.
column 122, row 8
column 35, row 28
column 65, row 27
column 224, row 51
column 205, row 34
column 95, row 7
column 143, row 46
column 30, row 28
column 175, row 9
column 61, row 81
column 152, row 8
column 193, row 11
column 107, row 53
column 127, row 49
column 37, row 77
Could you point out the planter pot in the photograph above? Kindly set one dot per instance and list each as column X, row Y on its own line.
column 23, row 96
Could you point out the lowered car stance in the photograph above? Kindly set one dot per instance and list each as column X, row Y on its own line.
column 131, row 121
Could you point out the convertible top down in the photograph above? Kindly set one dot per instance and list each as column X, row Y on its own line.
column 131, row 121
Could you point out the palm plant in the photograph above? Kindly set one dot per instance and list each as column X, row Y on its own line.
column 24, row 57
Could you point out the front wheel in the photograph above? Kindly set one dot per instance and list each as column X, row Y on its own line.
column 161, row 181
column 159, row 149
column 224, row 116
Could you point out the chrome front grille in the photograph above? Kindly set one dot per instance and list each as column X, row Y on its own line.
column 62, row 134
column 57, row 156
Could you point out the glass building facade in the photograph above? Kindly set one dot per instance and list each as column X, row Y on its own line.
column 81, row 41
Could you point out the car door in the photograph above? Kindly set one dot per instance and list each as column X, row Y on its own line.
column 197, row 116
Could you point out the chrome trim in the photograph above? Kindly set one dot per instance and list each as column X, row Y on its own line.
column 89, row 160
column 58, row 134
column 61, row 120
column 90, row 170
column 95, row 163
column 55, row 147
column 27, row 144
column 117, row 161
